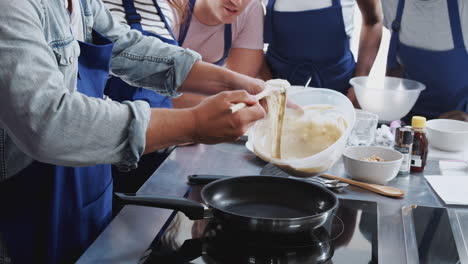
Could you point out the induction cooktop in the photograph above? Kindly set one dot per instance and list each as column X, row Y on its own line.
column 350, row 236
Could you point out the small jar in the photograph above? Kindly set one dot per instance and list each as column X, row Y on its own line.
column 403, row 144
column 420, row 144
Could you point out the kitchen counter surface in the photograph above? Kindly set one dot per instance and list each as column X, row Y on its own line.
column 134, row 228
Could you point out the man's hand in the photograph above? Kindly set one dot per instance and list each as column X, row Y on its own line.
column 249, row 84
column 457, row 115
column 352, row 97
column 214, row 122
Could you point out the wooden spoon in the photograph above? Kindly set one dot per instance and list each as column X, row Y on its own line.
column 381, row 189
column 266, row 92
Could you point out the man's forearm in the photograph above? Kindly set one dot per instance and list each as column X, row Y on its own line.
column 169, row 127
column 265, row 71
column 245, row 61
column 208, row 79
column 369, row 43
column 187, row 100
column 371, row 35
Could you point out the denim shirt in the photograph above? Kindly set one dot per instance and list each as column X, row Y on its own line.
column 44, row 118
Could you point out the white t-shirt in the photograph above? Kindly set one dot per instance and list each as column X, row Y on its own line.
column 425, row 23
column 76, row 21
column 150, row 19
column 303, row 5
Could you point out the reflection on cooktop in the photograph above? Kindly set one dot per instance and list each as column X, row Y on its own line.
column 434, row 236
column 349, row 237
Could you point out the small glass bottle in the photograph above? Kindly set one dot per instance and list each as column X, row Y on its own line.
column 403, row 144
column 420, row 144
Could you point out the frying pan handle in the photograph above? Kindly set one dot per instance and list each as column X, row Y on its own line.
column 204, row 178
column 191, row 209
column 207, row 178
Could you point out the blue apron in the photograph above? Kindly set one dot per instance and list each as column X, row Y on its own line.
column 309, row 44
column 51, row 214
column 443, row 72
column 119, row 90
column 227, row 34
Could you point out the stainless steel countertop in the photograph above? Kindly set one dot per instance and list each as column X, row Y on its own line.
column 134, row 228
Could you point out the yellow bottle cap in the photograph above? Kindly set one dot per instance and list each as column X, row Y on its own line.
column 418, row 122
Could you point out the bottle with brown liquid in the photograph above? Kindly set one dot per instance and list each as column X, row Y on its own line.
column 420, row 144
column 403, row 144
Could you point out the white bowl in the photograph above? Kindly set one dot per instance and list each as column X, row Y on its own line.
column 447, row 134
column 249, row 146
column 322, row 161
column 390, row 98
column 369, row 171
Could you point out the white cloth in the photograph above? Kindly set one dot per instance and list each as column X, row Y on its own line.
column 76, row 21
column 425, row 23
column 150, row 19
column 451, row 189
column 302, row 5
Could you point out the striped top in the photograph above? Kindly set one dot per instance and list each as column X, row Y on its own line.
column 150, row 19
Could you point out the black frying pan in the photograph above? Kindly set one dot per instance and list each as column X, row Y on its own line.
column 254, row 203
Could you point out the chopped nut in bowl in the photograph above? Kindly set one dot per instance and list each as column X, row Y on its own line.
column 373, row 158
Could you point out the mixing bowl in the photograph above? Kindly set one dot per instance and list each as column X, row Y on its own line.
column 391, row 99
column 447, row 134
column 371, row 171
column 323, row 160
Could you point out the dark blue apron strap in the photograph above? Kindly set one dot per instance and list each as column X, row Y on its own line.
column 227, row 44
column 185, row 26
column 268, row 27
column 163, row 18
column 336, row 3
column 315, row 76
column 395, row 39
column 131, row 15
column 455, row 24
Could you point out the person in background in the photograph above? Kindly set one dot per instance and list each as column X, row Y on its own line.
column 56, row 129
column 224, row 32
column 310, row 40
column 429, row 44
column 155, row 24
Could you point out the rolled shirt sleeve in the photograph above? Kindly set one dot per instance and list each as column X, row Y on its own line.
column 143, row 61
column 43, row 114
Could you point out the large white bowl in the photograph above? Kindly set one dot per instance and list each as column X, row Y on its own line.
column 391, row 98
column 369, row 171
column 323, row 160
column 447, row 134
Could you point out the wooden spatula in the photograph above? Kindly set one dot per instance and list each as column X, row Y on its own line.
column 380, row 189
